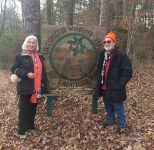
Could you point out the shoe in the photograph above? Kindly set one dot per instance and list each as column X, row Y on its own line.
column 105, row 124
column 120, row 131
column 21, row 136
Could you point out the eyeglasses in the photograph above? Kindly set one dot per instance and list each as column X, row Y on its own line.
column 107, row 42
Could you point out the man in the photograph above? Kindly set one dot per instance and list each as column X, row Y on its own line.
column 115, row 70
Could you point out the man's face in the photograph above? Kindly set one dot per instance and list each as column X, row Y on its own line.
column 108, row 44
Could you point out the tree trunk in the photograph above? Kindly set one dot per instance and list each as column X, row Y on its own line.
column 31, row 18
column 125, row 9
column 105, row 16
column 131, row 30
column 70, row 12
column 48, row 11
column 2, row 21
column 52, row 13
column 119, row 11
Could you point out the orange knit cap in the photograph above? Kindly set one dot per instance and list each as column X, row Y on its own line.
column 112, row 36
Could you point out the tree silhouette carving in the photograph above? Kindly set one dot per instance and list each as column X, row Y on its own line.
column 76, row 45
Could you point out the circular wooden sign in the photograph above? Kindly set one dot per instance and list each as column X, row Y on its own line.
column 71, row 57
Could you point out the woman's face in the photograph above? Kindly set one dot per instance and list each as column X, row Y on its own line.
column 31, row 44
column 108, row 44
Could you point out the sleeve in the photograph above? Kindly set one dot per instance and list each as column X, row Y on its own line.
column 126, row 70
column 17, row 69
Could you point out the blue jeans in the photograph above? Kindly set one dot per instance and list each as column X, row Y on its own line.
column 115, row 111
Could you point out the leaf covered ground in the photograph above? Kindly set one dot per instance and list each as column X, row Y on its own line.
column 74, row 127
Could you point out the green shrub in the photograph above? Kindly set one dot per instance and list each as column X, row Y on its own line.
column 9, row 45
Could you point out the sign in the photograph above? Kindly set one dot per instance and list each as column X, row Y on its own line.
column 71, row 55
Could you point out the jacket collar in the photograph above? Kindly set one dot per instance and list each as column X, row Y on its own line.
column 24, row 53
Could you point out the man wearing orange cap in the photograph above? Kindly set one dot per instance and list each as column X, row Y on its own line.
column 115, row 70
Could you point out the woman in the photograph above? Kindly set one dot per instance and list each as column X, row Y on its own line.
column 28, row 65
column 115, row 70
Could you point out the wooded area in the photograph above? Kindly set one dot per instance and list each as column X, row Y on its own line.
column 132, row 19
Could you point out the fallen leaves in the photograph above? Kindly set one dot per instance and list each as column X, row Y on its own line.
column 74, row 127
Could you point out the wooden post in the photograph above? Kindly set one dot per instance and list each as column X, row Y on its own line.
column 94, row 104
column 49, row 106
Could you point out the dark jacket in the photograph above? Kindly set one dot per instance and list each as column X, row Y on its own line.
column 22, row 65
column 119, row 73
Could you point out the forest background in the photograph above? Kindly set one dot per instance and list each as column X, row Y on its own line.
column 133, row 19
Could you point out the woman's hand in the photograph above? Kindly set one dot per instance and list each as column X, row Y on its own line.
column 30, row 75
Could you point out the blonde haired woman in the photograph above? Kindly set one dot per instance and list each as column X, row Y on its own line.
column 28, row 65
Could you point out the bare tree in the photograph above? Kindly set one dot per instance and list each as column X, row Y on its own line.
column 119, row 11
column 131, row 30
column 125, row 8
column 105, row 16
column 3, row 18
column 31, row 17
column 48, row 11
column 70, row 11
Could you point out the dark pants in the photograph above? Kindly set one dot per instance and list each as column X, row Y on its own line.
column 115, row 111
column 27, row 112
